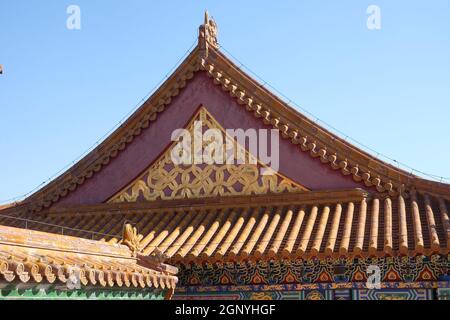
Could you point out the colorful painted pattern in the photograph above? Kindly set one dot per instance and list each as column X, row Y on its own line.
column 51, row 292
column 401, row 270
column 263, row 295
column 340, row 294
column 443, row 293
column 400, row 294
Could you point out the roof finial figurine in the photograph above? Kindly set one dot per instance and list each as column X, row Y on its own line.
column 208, row 34
column 132, row 239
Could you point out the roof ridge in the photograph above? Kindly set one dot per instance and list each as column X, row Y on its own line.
column 37, row 240
column 312, row 137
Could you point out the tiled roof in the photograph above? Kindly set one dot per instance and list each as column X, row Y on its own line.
column 310, row 137
column 33, row 257
column 346, row 223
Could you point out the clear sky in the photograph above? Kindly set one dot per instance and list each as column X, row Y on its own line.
column 62, row 89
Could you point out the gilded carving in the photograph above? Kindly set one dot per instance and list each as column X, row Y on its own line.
column 208, row 31
column 132, row 239
column 165, row 180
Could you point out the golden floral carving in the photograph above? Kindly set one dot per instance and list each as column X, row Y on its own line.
column 165, row 180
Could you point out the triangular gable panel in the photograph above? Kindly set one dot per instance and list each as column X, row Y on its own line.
column 151, row 142
column 230, row 169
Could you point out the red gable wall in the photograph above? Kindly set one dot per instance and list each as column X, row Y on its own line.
column 295, row 164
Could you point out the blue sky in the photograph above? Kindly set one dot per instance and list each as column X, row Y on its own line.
column 62, row 90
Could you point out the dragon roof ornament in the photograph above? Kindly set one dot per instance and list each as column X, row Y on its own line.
column 207, row 35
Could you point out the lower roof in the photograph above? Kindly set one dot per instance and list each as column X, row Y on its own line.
column 33, row 257
column 324, row 224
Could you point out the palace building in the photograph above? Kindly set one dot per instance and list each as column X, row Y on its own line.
column 330, row 222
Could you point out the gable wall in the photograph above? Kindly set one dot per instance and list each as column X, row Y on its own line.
column 146, row 147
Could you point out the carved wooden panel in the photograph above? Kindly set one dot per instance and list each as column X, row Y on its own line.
column 244, row 176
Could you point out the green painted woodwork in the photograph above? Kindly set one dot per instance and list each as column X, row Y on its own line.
column 54, row 293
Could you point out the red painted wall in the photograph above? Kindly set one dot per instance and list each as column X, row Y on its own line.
column 145, row 148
